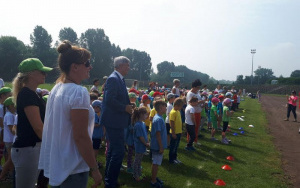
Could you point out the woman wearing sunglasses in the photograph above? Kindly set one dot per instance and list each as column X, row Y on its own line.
column 67, row 153
column 31, row 112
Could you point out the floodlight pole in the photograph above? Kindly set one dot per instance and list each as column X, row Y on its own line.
column 253, row 51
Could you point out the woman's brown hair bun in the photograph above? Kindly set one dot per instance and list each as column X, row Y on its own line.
column 64, row 47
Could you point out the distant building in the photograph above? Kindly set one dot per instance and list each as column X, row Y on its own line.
column 273, row 82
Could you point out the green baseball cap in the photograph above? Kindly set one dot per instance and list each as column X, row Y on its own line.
column 5, row 90
column 131, row 95
column 151, row 93
column 31, row 64
column 8, row 101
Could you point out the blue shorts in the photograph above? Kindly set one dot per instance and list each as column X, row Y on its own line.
column 157, row 157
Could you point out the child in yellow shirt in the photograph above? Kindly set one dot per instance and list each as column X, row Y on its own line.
column 176, row 130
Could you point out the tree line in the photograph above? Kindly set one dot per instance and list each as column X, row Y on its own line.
column 13, row 51
column 265, row 76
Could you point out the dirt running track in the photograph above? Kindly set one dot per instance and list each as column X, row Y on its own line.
column 286, row 135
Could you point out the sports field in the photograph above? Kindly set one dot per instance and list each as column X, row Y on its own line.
column 257, row 162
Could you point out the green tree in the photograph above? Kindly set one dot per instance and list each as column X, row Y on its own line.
column 115, row 51
column 41, row 46
column 239, row 79
column 40, row 41
column 140, row 66
column 69, row 34
column 263, row 74
column 247, row 80
column 164, row 67
column 12, row 52
column 99, row 45
column 295, row 74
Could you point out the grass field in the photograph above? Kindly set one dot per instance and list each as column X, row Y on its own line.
column 257, row 162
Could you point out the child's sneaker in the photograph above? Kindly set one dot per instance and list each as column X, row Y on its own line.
column 130, row 170
column 160, row 181
column 192, row 148
column 178, row 161
column 123, row 167
column 188, row 148
column 224, row 141
column 156, row 184
column 227, row 140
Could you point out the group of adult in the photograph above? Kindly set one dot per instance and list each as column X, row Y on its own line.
column 56, row 137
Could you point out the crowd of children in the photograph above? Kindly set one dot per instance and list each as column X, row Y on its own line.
column 159, row 118
column 157, row 124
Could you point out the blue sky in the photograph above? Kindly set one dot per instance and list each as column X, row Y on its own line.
column 211, row 36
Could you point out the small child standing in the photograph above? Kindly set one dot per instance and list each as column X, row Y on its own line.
column 176, row 130
column 98, row 132
column 214, row 117
column 209, row 105
column 140, row 140
column 130, row 143
column 226, row 118
column 146, row 103
column 220, row 111
column 171, row 98
column 234, row 104
column 190, row 122
column 158, row 141
column 8, row 136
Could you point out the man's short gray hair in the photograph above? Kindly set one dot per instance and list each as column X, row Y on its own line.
column 120, row 60
column 175, row 81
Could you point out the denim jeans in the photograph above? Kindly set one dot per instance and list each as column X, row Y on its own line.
column 174, row 143
column 115, row 155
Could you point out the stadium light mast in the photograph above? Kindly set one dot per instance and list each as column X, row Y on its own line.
column 253, row 51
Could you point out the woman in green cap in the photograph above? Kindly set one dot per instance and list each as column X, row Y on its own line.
column 31, row 112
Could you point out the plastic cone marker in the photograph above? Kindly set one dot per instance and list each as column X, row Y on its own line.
column 220, row 182
column 235, row 134
column 230, row 158
column 241, row 128
column 226, row 167
column 242, row 132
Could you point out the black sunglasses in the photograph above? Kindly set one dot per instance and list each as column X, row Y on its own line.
column 87, row 64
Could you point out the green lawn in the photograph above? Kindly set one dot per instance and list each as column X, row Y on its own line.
column 257, row 162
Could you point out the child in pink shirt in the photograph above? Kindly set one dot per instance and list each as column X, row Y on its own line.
column 292, row 104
